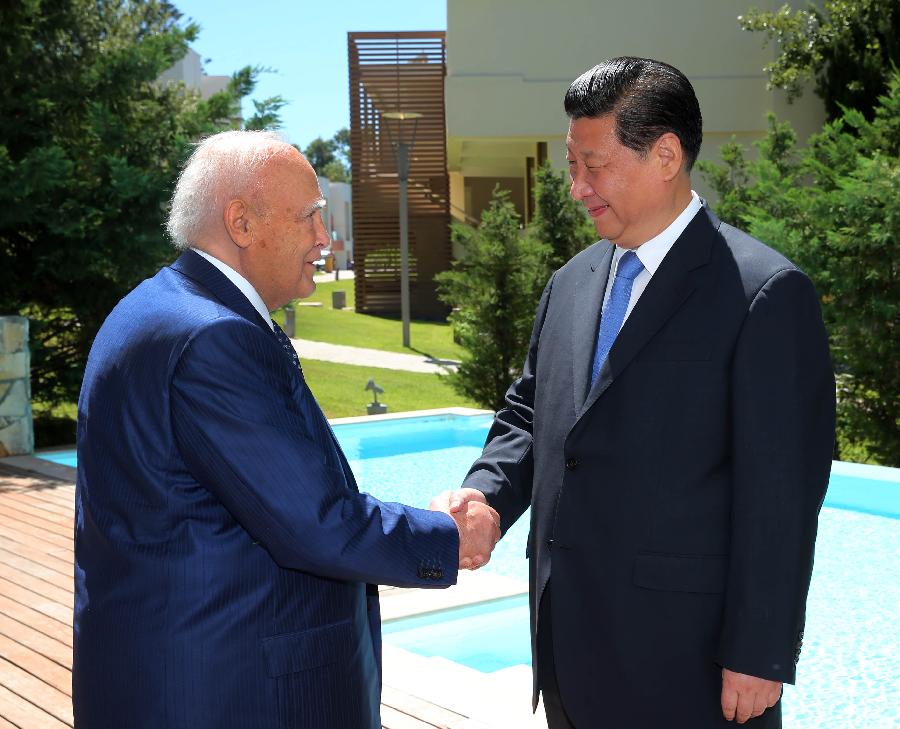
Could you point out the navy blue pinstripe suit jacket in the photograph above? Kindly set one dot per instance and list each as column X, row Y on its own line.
column 222, row 548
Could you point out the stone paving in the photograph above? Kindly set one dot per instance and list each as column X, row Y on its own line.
column 344, row 354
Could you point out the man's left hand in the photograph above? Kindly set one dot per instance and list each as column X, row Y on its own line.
column 746, row 697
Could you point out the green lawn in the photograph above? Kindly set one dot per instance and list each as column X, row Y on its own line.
column 337, row 387
column 340, row 389
column 345, row 326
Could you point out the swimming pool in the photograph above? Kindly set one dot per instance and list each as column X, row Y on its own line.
column 847, row 676
column 851, row 659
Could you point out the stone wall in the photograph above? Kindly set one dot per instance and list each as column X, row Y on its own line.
column 16, row 431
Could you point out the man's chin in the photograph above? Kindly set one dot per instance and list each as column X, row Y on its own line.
column 306, row 288
column 602, row 230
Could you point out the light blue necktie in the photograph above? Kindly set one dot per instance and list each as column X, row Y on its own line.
column 614, row 313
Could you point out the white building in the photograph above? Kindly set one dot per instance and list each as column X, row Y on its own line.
column 509, row 63
column 338, row 216
column 190, row 70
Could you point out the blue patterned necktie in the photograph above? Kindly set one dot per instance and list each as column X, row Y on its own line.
column 324, row 436
column 614, row 313
column 286, row 344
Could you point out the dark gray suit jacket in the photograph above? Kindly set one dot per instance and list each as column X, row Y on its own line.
column 675, row 503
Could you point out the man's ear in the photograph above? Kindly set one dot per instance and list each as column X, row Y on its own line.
column 669, row 155
column 238, row 223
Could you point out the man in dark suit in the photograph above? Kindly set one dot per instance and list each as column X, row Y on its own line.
column 223, row 553
column 672, row 432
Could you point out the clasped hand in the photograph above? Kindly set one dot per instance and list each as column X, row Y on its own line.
column 478, row 525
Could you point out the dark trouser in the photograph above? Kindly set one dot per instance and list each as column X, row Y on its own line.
column 553, row 706
column 556, row 714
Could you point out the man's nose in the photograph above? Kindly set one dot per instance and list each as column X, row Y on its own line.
column 579, row 189
column 322, row 236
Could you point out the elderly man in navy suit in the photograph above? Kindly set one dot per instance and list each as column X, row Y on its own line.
column 225, row 561
column 672, row 432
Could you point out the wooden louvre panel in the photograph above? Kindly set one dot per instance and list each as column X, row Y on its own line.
column 389, row 73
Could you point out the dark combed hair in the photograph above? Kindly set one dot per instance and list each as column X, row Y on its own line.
column 647, row 98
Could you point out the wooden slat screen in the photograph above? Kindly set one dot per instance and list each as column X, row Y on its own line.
column 392, row 72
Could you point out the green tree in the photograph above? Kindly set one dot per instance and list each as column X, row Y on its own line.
column 266, row 115
column 341, row 141
column 320, row 153
column 90, row 145
column 331, row 157
column 494, row 290
column 336, row 171
column 834, row 208
column 559, row 221
column 848, row 46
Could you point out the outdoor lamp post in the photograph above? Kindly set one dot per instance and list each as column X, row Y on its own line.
column 402, row 150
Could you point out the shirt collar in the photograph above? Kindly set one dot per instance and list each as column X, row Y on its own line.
column 652, row 253
column 243, row 285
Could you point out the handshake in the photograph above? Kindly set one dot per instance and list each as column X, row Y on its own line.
column 478, row 525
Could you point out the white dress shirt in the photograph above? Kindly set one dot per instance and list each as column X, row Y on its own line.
column 651, row 254
column 244, row 286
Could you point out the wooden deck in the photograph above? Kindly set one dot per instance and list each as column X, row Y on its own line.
column 36, row 599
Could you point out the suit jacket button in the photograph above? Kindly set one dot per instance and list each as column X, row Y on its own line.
column 571, row 464
column 437, row 574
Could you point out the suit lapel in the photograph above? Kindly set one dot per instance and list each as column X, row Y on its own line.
column 589, row 291
column 671, row 285
column 197, row 268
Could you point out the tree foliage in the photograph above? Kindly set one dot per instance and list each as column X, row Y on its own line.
column 331, row 157
column 848, row 46
column 90, row 146
column 559, row 221
column 494, row 290
column 834, row 208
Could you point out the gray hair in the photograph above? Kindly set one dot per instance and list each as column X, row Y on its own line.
column 221, row 167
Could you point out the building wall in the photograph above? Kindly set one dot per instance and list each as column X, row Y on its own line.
column 509, row 63
column 338, row 217
column 190, row 70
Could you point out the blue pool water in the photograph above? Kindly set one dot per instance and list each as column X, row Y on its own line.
column 64, row 458
column 848, row 675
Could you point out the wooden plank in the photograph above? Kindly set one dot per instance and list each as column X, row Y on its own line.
column 37, row 602
column 393, row 719
column 39, row 642
column 50, row 672
column 36, row 620
column 36, row 692
column 63, row 565
column 62, row 495
column 33, row 537
column 424, row 710
column 4, row 724
column 16, row 514
column 24, row 715
column 13, row 480
column 57, row 501
column 26, row 506
column 53, row 506
column 36, row 569
column 38, row 586
column 383, row 79
column 67, row 554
